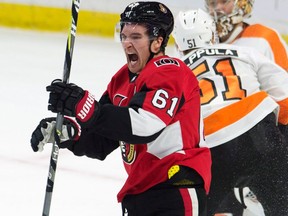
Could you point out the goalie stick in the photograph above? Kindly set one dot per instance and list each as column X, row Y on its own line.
column 59, row 118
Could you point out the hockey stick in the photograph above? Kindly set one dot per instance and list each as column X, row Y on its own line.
column 59, row 118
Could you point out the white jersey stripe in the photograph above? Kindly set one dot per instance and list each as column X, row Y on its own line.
column 194, row 201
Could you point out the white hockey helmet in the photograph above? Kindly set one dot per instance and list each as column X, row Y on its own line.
column 193, row 29
column 241, row 10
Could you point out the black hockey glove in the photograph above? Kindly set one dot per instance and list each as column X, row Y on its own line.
column 44, row 133
column 71, row 100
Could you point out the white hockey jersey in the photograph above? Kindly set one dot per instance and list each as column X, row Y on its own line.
column 239, row 87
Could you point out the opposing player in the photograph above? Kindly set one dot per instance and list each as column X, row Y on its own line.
column 241, row 93
column 151, row 108
column 232, row 26
column 230, row 18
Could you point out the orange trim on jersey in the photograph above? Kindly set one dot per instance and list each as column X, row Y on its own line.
column 238, row 110
column 283, row 114
column 278, row 49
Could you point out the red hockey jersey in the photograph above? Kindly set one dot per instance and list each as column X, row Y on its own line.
column 156, row 118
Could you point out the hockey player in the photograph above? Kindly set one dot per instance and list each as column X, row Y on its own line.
column 232, row 28
column 151, row 109
column 241, row 93
column 230, row 18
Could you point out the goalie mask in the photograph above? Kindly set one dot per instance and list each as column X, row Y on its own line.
column 193, row 29
column 226, row 21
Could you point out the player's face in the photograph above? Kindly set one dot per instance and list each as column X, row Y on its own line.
column 220, row 7
column 136, row 45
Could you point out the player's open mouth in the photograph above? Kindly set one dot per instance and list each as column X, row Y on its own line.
column 133, row 58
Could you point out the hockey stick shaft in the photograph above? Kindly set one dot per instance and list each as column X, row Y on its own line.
column 59, row 118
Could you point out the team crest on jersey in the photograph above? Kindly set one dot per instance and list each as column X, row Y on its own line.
column 128, row 152
column 166, row 61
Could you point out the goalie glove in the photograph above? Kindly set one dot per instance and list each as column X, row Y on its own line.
column 71, row 100
column 44, row 133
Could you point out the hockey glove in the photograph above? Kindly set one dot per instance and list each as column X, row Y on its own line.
column 71, row 100
column 44, row 133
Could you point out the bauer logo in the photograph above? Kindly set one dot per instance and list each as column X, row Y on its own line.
column 132, row 5
column 166, row 61
column 86, row 104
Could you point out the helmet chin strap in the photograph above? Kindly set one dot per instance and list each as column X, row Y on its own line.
column 234, row 34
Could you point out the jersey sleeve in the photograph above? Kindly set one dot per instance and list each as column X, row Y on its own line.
column 273, row 80
column 93, row 145
column 161, row 92
column 267, row 41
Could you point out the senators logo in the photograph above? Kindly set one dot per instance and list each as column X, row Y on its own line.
column 128, row 152
column 166, row 61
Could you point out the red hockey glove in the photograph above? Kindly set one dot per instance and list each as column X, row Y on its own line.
column 71, row 100
column 44, row 133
